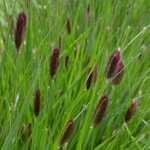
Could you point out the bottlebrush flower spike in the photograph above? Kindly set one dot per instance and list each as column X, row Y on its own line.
column 99, row 111
column 92, row 76
column 20, row 30
column 54, row 62
column 112, row 64
column 119, row 72
column 68, row 26
column 89, row 80
column 131, row 111
column 37, row 103
column 67, row 132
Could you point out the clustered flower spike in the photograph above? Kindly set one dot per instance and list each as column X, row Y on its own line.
column 118, row 73
column 54, row 62
column 67, row 132
column 115, row 68
column 37, row 103
column 112, row 64
column 131, row 111
column 99, row 111
column 20, row 30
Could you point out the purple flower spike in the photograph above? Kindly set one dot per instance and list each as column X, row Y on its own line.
column 67, row 132
column 54, row 62
column 112, row 64
column 20, row 30
column 37, row 103
column 99, row 111
column 89, row 80
column 68, row 26
column 131, row 111
column 118, row 75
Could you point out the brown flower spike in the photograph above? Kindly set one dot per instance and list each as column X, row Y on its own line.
column 112, row 64
column 92, row 76
column 37, row 103
column 131, row 111
column 54, row 62
column 67, row 132
column 20, row 30
column 119, row 72
column 89, row 80
column 66, row 61
column 99, row 111
column 68, row 26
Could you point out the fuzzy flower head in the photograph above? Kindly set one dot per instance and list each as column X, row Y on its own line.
column 118, row 74
column 67, row 132
column 37, row 103
column 54, row 62
column 112, row 64
column 99, row 111
column 131, row 111
column 20, row 30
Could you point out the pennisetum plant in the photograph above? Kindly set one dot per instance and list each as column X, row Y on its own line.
column 20, row 30
column 99, row 111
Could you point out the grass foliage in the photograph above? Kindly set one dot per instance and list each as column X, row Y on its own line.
column 112, row 24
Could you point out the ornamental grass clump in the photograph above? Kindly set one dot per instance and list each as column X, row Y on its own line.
column 99, row 111
column 20, row 30
column 131, row 111
column 67, row 132
column 37, row 103
column 54, row 62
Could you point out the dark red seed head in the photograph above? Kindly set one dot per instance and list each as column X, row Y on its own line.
column 89, row 80
column 99, row 111
column 68, row 26
column 66, row 61
column 20, row 30
column 54, row 62
column 112, row 64
column 37, row 103
column 67, row 132
column 29, row 129
column 131, row 111
column 118, row 74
